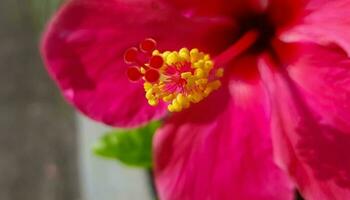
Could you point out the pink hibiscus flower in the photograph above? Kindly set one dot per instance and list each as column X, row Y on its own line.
column 263, row 83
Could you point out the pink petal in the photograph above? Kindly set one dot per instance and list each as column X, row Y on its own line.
column 284, row 13
column 84, row 44
column 311, row 120
column 326, row 22
column 219, row 7
column 220, row 149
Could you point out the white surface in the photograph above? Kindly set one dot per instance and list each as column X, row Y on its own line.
column 107, row 179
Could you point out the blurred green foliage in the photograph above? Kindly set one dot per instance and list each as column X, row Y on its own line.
column 42, row 10
column 131, row 147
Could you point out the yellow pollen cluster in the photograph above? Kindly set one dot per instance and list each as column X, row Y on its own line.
column 193, row 78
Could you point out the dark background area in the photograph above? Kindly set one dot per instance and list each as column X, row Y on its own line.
column 38, row 158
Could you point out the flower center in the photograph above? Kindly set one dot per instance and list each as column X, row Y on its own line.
column 264, row 26
column 178, row 78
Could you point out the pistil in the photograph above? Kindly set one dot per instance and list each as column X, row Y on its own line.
column 239, row 47
column 179, row 78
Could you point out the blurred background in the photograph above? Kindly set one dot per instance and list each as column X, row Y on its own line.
column 45, row 147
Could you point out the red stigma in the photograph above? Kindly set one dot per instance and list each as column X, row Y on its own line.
column 156, row 62
column 148, row 45
column 152, row 75
column 134, row 74
column 130, row 55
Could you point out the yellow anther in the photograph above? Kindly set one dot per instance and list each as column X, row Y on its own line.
column 186, row 75
column 153, row 102
column 149, row 94
column 177, row 107
column 219, row 73
column 208, row 65
column 207, row 91
column 181, row 99
column 194, row 53
column 171, row 108
column 202, row 81
column 168, row 98
column 165, row 54
column 155, row 52
column 172, row 58
column 199, row 64
column 195, row 97
column 215, row 84
column 206, row 57
column 184, row 53
column 147, row 86
column 191, row 82
column 199, row 73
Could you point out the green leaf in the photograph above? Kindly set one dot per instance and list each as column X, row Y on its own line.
column 132, row 147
